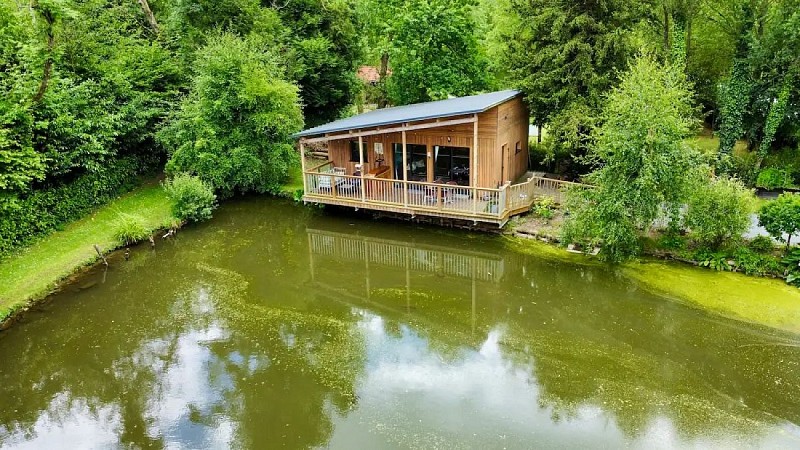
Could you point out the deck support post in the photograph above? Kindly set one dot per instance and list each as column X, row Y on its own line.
column 405, row 171
column 361, row 162
column 474, row 165
column 303, row 165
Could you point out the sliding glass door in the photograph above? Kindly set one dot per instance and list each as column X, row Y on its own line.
column 417, row 159
column 452, row 164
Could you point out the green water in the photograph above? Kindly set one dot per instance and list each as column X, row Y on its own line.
column 278, row 326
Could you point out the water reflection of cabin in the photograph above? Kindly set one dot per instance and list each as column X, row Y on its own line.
column 446, row 174
column 364, row 256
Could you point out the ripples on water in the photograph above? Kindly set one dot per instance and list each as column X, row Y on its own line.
column 275, row 326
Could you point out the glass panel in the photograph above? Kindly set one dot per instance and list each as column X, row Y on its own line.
column 417, row 159
column 452, row 164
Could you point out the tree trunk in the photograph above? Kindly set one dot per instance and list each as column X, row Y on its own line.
column 383, row 101
column 48, row 62
column 539, row 133
column 151, row 19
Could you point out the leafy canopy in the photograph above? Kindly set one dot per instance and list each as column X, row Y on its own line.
column 645, row 168
column 781, row 217
column 233, row 129
column 434, row 52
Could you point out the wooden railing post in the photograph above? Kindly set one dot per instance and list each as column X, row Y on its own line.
column 405, row 172
column 361, row 162
column 303, row 165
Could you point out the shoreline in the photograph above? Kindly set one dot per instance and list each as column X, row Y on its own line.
column 764, row 301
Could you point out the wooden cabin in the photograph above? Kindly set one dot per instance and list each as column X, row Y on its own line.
column 463, row 158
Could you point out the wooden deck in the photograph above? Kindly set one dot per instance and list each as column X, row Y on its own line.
column 495, row 206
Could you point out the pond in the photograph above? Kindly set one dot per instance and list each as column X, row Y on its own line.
column 279, row 326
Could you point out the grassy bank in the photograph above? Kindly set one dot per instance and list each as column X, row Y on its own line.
column 32, row 272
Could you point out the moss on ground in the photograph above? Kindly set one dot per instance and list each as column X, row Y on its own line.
column 32, row 272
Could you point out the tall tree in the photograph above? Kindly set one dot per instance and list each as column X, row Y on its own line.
column 564, row 55
column 645, row 167
column 233, row 129
column 327, row 47
column 435, row 53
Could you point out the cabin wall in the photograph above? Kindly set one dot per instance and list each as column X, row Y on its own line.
column 512, row 129
column 458, row 135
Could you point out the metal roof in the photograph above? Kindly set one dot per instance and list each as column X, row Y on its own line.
column 472, row 104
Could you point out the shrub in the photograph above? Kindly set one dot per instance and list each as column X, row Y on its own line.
column 192, row 198
column 772, row 178
column 130, row 229
column 761, row 244
column 753, row 263
column 719, row 211
column 544, row 207
column 781, row 216
column 26, row 217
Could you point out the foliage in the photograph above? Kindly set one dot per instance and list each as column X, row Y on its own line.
column 791, row 265
column 434, row 52
column 192, row 198
column 719, row 211
column 23, row 218
column 130, row 229
column 713, row 260
column 781, row 217
column 233, row 129
column 544, row 207
column 753, row 263
column 564, row 56
column 773, row 178
column 761, row 244
column 326, row 47
column 646, row 170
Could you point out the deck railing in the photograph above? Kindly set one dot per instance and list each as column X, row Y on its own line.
column 441, row 199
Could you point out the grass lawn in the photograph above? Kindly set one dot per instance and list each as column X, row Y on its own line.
column 295, row 181
column 32, row 272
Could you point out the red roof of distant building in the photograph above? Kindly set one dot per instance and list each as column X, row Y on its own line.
column 370, row 74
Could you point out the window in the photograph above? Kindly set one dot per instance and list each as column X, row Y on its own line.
column 417, row 159
column 452, row 164
column 354, row 151
column 517, row 147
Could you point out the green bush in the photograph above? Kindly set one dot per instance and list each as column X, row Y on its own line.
column 130, row 229
column 24, row 218
column 719, row 212
column 752, row 263
column 544, row 207
column 772, row 178
column 781, row 216
column 761, row 244
column 192, row 198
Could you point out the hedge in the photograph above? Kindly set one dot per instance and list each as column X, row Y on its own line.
column 23, row 219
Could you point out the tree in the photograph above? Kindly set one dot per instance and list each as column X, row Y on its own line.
column 781, row 217
column 646, row 170
column 719, row 211
column 435, row 53
column 324, row 38
column 233, row 129
column 564, row 56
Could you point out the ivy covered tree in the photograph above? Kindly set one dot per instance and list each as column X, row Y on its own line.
column 233, row 129
column 645, row 168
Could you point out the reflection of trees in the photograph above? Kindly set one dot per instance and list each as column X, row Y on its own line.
column 595, row 340
column 120, row 343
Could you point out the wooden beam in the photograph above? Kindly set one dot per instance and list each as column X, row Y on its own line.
column 361, row 171
column 474, row 165
column 303, row 165
column 405, row 172
column 421, row 126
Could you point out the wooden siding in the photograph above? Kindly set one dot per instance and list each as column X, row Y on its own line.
column 506, row 123
column 512, row 128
